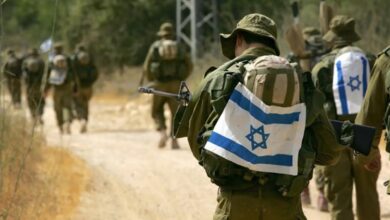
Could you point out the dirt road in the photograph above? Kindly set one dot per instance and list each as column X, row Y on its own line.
column 132, row 179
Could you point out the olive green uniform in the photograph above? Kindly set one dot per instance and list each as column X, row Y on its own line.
column 12, row 71
column 34, row 89
column 337, row 180
column 167, row 84
column 243, row 194
column 62, row 95
column 86, row 75
column 372, row 113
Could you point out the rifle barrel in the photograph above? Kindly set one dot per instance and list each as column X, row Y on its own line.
column 156, row 92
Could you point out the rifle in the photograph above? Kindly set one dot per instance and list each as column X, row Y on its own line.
column 183, row 96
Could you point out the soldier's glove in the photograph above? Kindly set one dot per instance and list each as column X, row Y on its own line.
column 347, row 134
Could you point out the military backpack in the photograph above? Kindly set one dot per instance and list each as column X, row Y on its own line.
column 168, row 61
column 275, row 82
column 59, row 70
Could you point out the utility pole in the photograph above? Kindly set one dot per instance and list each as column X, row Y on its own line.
column 194, row 20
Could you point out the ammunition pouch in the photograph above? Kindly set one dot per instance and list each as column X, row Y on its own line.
column 291, row 186
column 223, row 172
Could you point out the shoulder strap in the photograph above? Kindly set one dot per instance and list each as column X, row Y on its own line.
column 385, row 51
column 239, row 59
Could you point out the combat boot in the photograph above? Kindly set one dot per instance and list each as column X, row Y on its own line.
column 322, row 203
column 83, row 128
column 175, row 144
column 163, row 139
column 305, row 197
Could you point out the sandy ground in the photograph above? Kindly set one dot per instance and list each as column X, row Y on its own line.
column 132, row 179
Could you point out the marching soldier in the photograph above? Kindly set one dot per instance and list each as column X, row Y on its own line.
column 61, row 79
column 33, row 70
column 342, row 75
column 86, row 74
column 245, row 193
column 166, row 65
column 12, row 71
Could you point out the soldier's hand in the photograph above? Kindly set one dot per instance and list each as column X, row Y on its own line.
column 375, row 164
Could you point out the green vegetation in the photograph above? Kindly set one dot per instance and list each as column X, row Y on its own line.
column 120, row 32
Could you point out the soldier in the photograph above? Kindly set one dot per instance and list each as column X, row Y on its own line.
column 375, row 112
column 12, row 71
column 86, row 74
column 61, row 78
column 342, row 75
column 33, row 70
column 166, row 65
column 245, row 193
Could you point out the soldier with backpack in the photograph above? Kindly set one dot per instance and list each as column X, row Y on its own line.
column 33, row 71
column 12, row 71
column 257, row 126
column 343, row 75
column 166, row 65
column 61, row 79
column 86, row 74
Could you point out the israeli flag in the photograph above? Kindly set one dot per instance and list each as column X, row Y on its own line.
column 350, row 80
column 46, row 45
column 257, row 136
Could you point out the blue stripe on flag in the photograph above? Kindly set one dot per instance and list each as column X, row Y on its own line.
column 365, row 77
column 259, row 114
column 341, row 87
column 247, row 155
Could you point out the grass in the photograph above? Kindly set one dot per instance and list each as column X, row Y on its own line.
column 36, row 181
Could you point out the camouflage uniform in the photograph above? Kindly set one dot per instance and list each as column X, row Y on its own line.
column 86, row 74
column 243, row 195
column 339, row 178
column 168, row 83
column 62, row 94
column 12, row 71
column 33, row 71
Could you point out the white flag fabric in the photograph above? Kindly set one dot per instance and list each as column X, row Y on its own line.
column 46, row 45
column 257, row 136
column 350, row 80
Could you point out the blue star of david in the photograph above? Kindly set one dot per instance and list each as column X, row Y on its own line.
column 255, row 143
column 354, row 83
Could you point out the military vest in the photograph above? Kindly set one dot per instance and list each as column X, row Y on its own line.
column 168, row 61
column 232, row 176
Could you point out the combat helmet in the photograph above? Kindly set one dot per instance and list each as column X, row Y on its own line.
column 257, row 24
column 166, row 29
column 58, row 48
column 342, row 31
